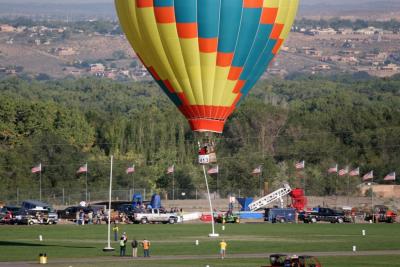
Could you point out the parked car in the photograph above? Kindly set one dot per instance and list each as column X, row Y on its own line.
column 69, row 213
column 325, row 215
column 227, row 217
column 281, row 215
column 7, row 213
column 155, row 216
column 35, row 216
column 381, row 213
column 34, row 204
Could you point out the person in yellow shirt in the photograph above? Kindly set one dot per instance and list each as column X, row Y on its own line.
column 115, row 230
column 222, row 246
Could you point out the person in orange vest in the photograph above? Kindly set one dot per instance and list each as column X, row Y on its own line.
column 146, row 247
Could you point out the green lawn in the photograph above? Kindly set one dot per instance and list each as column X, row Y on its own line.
column 20, row 243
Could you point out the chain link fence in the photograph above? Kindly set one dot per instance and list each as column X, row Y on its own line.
column 62, row 197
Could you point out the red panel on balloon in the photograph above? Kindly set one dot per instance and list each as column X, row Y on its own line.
column 208, row 45
column 224, row 59
column 165, row 14
column 269, row 15
column 204, row 125
column 144, row 3
column 253, row 3
column 187, row 30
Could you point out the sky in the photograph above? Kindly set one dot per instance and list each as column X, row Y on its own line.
column 106, row 7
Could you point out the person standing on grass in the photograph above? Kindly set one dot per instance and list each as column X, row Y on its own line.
column 115, row 230
column 146, row 247
column 122, row 247
column 134, row 244
column 223, row 246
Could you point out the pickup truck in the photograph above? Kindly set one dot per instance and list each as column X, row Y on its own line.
column 155, row 216
column 326, row 215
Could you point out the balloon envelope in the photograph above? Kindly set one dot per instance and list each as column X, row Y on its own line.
column 206, row 54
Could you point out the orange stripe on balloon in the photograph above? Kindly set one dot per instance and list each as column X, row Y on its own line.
column 154, row 73
column 239, row 96
column 183, row 98
column 239, row 85
column 253, row 3
column 169, row 86
column 268, row 15
column 208, row 45
column 187, row 30
column 224, row 59
column 204, row 125
column 277, row 46
column 144, row 3
column 276, row 31
column 234, row 73
column 164, row 14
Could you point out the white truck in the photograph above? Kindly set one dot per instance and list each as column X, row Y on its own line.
column 155, row 216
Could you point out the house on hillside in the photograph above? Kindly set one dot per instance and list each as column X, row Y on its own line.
column 65, row 51
column 7, row 28
column 97, row 68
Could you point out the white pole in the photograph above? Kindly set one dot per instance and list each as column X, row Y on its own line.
column 40, row 181
column 213, row 234
column 86, row 182
column 109, row 248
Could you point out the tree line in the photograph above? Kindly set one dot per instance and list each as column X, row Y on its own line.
column 63, row 124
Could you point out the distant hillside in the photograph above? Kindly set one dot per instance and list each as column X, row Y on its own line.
column 105, row 8
column 361, row 8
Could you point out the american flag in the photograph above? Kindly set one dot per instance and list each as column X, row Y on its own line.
column 390, row 177
column 257, row 170
column 343, row 172
column 213, row 170
column 171, row 169
column 333, row 169
column 82, row 169
column 300, row 165
column 37, row 168
column 130, row 169
column 355, row 172
column 368, row 176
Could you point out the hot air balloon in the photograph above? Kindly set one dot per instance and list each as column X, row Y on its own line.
column 206, row 55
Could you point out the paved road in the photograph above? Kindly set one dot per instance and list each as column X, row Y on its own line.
column 201, row 257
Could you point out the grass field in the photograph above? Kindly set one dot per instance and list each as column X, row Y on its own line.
column 174, row 245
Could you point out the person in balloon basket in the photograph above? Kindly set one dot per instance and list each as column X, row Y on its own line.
column 222, row 246
column 146, row 247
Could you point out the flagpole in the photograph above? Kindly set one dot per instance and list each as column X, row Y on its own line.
column 40, row 181
column 109, row 248
column 86, row 183
column 372, row 193
column 173, row 184
column 217, row 181
column 133, row 182
column 213, row 234
column 348, row 188
column 259, row 178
